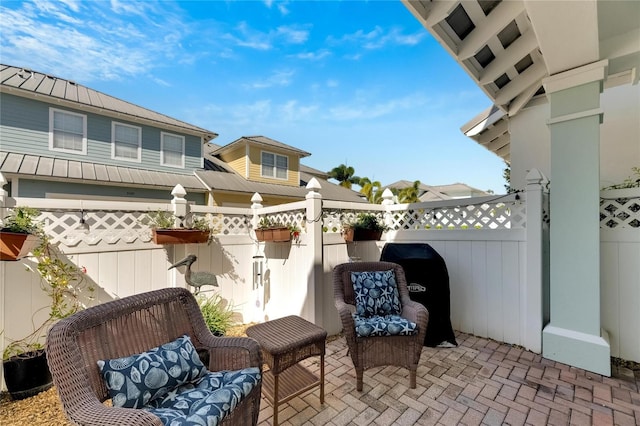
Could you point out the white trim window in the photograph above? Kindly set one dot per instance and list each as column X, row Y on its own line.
column 126, row 142
column 274, row 165
column 67, row 131
column 172, row 150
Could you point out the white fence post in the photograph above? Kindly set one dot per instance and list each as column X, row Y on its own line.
column 256, row 205
column 532, row 294
column 315, row 288
column 387, row 201
column 180, row 206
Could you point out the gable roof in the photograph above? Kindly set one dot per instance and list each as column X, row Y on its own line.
column 28, row 83
column 35, row 166
column 262, row 141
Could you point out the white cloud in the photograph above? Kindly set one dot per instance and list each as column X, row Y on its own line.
column 84, row 41
column 278, row 78
column 379, row 38
column 364, row 107
column 313, row 56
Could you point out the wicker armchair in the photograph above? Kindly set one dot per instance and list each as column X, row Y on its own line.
column 133, row 325
column 367, row 352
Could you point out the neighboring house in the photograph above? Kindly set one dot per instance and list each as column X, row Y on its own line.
column 59, row 139
column 563, row 81
column 251, row 164
column 441, row 192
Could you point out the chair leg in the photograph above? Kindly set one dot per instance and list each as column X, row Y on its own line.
column 412, row 377
column 359, row 374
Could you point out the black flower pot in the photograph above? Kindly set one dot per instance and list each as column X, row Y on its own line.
column 27, row 374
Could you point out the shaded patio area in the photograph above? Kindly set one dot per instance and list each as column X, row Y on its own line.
column 479, row 382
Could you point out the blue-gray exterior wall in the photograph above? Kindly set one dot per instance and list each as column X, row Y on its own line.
column 33, row 188
column 24, row 128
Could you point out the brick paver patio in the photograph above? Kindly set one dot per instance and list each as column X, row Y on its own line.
column 481, row 382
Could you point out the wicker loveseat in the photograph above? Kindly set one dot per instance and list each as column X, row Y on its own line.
column 379, row 338
column 156, row 335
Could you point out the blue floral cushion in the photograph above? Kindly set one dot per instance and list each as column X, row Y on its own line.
column 135, row 380
column 206, row 401
column 389, row 325
column 376, row 293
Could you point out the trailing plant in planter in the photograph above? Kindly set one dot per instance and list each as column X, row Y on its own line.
column 164, row 231
column 24, row 362
column 20, row 233
column 367, row 226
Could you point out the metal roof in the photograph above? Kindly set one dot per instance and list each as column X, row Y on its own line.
column 34, row 166
column 233, row 182
column 26, row 82
column 263, row 141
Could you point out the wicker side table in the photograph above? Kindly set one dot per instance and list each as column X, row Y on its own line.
column 285, row 342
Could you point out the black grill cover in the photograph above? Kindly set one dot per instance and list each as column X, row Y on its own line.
column 428, row 282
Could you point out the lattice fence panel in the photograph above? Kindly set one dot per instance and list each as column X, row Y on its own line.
column 332, row 219
column 296, row 218
column 620, row 213
column 108, row 227
column 491, row 216
column 228, row 224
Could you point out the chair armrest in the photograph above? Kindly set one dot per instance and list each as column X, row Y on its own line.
column 232, row 353
column 91, row 412
column 346, row 312
column 415, row 312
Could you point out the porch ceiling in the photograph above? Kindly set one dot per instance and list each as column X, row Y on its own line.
column 509, row 47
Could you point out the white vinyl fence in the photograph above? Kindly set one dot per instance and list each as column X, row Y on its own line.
column 495, row 249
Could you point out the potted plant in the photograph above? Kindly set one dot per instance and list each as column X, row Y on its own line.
column 164, row 229
column 269, row 230
column 26, row 372
column 366, row 227
column 20, row 233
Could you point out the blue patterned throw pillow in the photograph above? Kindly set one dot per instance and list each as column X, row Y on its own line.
column 376, row 293
column 135, row 380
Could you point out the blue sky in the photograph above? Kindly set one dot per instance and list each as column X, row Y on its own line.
column 355, row 82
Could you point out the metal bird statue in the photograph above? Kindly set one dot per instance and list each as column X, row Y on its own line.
column 195, row 279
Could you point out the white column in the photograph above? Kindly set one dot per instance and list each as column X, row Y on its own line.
column 574, row 335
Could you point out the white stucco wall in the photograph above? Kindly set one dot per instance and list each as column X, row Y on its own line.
column 619, row 137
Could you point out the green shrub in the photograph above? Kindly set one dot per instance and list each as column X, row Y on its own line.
column 217, row 313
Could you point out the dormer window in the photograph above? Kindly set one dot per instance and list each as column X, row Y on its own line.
column 67, row 131
column 126, row 142
column 274, row 165
column 172, row 150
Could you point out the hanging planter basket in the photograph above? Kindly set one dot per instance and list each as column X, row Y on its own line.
column 180, row 236
column 273, row 234
column 359, row 234
column 16, row 245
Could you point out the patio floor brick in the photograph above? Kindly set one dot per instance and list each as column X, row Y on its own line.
column 480, row 382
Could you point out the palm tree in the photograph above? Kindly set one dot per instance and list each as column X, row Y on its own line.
column 410, row 194
column 345, row 175
column 371, row 190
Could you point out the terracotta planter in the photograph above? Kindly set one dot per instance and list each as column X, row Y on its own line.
column 359, row 234
column 179, row 236
column 15, row 245
column 273, row 234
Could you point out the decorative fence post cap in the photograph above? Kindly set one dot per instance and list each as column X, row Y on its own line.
column 178, row 191
column 256, row 198
column 313, row 184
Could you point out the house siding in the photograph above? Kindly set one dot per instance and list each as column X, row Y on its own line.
column 236, row 159
column 24, row 128
column 33, row 188
column 255, row 160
